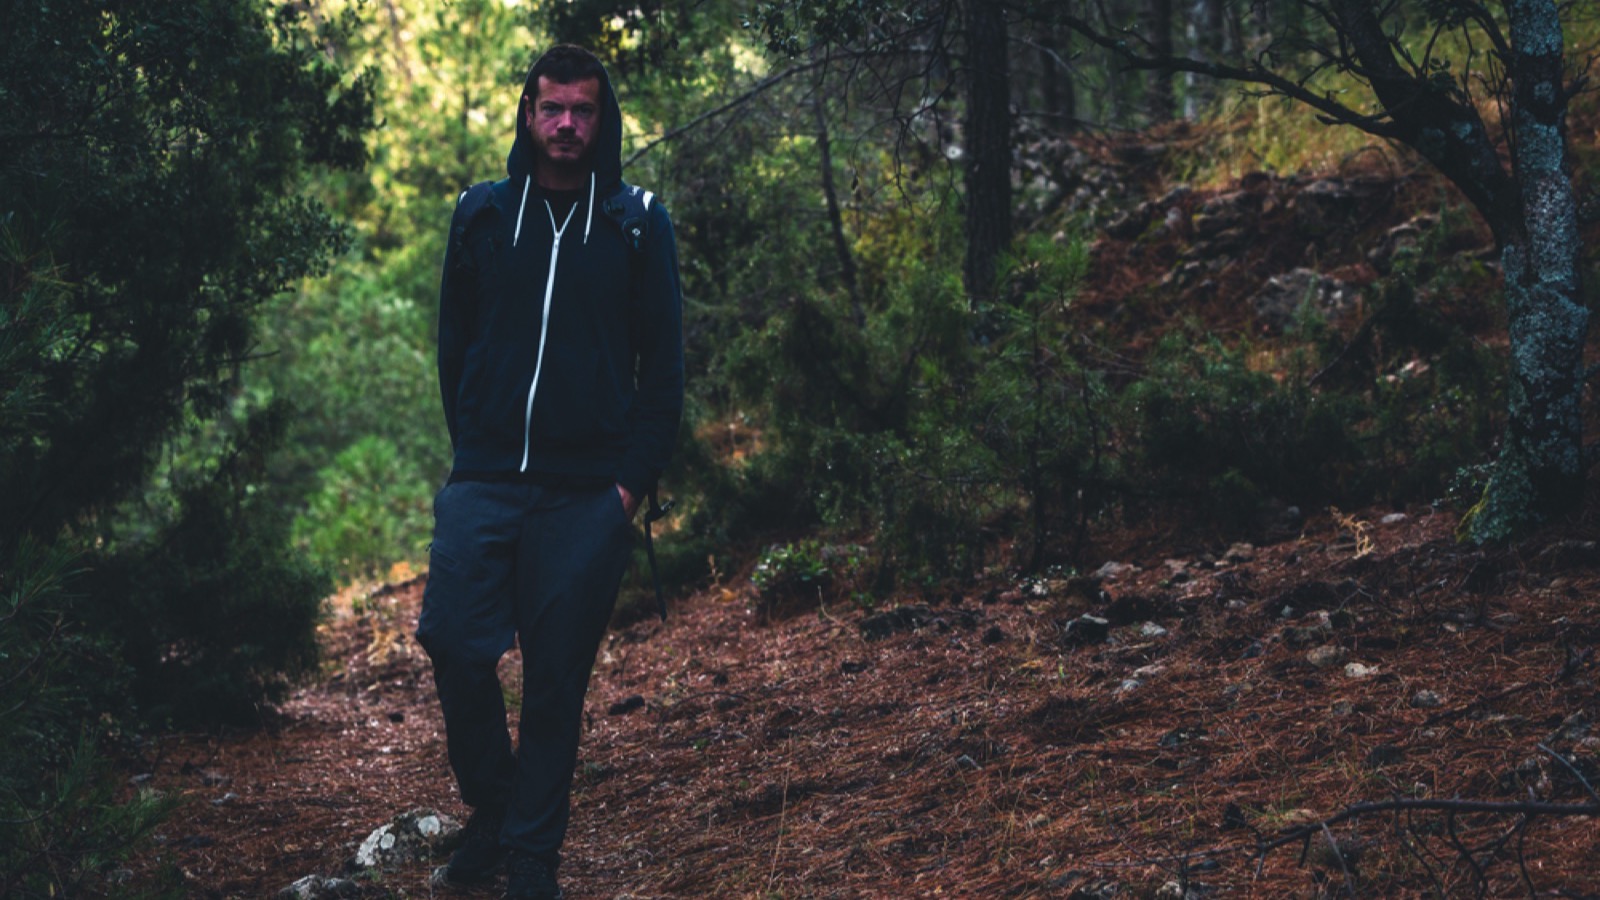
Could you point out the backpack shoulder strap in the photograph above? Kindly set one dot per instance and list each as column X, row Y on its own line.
column 629, row 207
column 468, row 205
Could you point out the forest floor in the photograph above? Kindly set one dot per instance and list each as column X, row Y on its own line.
column 977, row 746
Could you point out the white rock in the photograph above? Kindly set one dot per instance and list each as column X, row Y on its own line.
column 1152, row 630
column 1113, row 570
column 428, row 826
column 367, row 855
column 1358, row 671
column 1393, row 518
column 1325, row 656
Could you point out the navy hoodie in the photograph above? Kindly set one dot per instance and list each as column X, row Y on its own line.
column 561, row 361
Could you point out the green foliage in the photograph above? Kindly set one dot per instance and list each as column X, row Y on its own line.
column 354, row 351
column 803, row 574
column 66, row 828
column 148, row 209
column 371, row 509
column 791, row 26
column 211, row 609
column 159, row 194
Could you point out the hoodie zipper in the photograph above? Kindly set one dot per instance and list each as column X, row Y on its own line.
column 544, row 323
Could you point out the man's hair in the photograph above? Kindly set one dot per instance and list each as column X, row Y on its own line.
column 565, row 64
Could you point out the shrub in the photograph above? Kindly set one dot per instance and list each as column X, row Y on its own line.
column 65, row 826
column 372, row 509
column 210, row 608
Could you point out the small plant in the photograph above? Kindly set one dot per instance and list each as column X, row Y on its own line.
column 800, row 574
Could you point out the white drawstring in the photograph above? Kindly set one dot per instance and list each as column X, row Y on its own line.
column 590, row 220
column 526, row 180
column 544, row 325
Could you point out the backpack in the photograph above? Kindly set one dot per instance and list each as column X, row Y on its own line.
column 628, row 206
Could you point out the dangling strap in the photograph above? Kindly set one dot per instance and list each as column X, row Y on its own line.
column 653, row 512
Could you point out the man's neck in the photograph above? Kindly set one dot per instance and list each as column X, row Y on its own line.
column 561, row 178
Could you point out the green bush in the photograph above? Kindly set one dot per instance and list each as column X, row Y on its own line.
column 66, row 829
column 210, row 607
column 803, row 574
column 372, row 509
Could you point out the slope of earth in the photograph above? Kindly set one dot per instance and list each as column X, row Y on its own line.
column 996, row 744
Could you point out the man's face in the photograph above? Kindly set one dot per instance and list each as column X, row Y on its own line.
column 564, row 120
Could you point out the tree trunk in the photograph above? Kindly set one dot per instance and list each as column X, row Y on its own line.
column 1158, row 103
column 988, row 147
column 1540, row 472
column 1056, row 88
column 830, row 194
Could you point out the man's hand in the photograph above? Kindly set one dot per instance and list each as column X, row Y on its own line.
column 630, row 503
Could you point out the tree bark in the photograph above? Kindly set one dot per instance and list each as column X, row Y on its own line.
column 830, row 194
column 988, row 147
column 1159, row 105
column 1540, row 472
column 1057, row 90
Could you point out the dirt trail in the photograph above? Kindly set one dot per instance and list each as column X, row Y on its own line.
column 984, row 753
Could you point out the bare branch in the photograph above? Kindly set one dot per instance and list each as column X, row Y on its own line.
column 1575, row 773
column 1255, row 73
column 1452, row 807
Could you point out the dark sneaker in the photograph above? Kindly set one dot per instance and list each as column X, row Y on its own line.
column 478, row 858
column 530, row 878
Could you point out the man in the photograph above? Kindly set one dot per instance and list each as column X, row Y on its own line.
column 561, row 371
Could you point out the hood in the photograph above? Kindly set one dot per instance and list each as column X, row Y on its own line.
column 607, row 157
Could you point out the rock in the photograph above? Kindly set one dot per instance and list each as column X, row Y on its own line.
column 1240, row 553
column 1305, row 635
column 1323, row 204
column 320, row 887
column 1086, row 629
column 408, row 837
column 1394, row 518
column 1111, row 571
column 1152, row 630
column 1568, row 554
column 1326, row 656
column 626, row 705
column 1359, row 672
column 1384, row 755
column 1573, row 728
column 1131, row 608
column 1232, row 211
column 1426, row 700
column 1131, row 223
column 893, row 621
column 1403, row 239
column 1282, row 298
column 1177, row 737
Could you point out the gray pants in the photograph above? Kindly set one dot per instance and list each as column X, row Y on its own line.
column 541, row 566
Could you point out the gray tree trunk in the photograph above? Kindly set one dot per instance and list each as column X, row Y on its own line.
column 1540, row 471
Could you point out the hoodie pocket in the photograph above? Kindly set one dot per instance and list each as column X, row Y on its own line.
column 581, row 412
